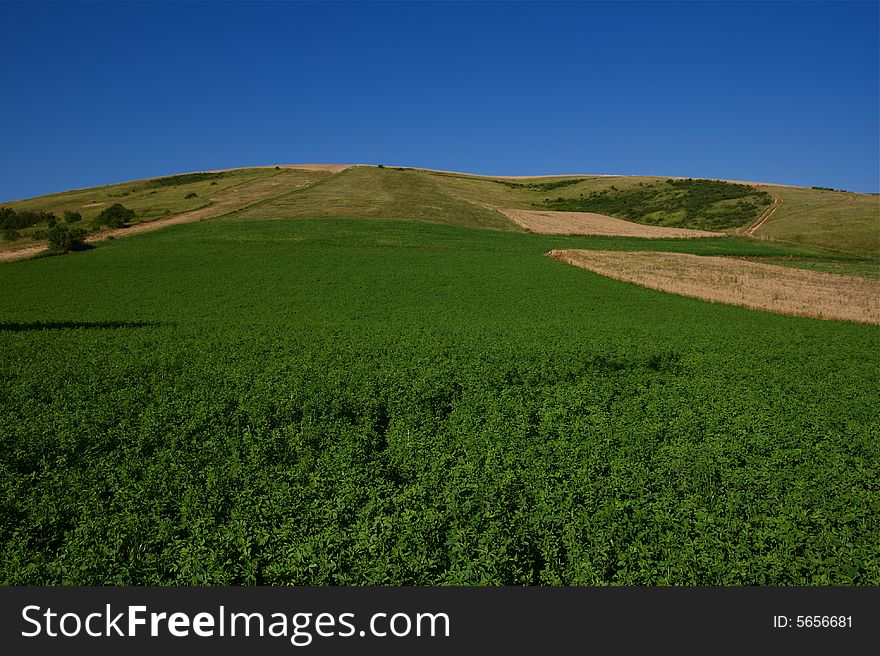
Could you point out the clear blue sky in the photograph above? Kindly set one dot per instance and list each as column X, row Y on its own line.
column 101, row 93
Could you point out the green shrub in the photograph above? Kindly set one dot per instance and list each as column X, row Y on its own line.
column 9, row 218
column 191, row 194
column 72, row 217
column 115, row 216
column 540, row 186
column 10, row 234
column 187, row 178
column 64, row 239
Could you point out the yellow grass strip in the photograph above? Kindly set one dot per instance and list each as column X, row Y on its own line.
column 738, row 282
column 587, row 223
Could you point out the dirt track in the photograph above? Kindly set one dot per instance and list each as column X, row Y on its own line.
column 777, row 201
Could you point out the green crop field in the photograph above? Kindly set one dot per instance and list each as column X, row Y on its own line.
column 378, row 402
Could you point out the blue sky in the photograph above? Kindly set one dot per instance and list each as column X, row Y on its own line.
column 101, row 93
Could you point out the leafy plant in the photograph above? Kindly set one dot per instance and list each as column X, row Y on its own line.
column 115, row 216
column 65, row 239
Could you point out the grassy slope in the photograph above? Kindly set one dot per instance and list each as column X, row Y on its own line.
column 152, row 202
column 381, row 193
column 323, row 402
column 842, row 221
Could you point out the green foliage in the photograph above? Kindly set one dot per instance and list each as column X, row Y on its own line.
column 72, row 217
column 115, row 216
column 186, row 178
column 10, row 234
column 359, row 402
column 698, row 204
column 65, row 239
column 540, row 186
column 10, row 219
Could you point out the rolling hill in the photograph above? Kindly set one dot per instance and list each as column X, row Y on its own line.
column 841, row 222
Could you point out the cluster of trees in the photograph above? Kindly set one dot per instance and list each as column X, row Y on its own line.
column 11, row 221
column 689, row 203
column 59, row 234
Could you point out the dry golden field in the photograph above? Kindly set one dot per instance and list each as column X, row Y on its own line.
column 735, row 281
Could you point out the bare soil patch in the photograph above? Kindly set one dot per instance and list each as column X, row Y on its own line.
column 734, row 281
column 587, row 223
column 21, row 253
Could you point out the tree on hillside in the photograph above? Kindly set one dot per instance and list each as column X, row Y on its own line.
column 115, row 216
column 64, row 239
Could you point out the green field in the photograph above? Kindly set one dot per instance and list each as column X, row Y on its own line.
column 398, row 402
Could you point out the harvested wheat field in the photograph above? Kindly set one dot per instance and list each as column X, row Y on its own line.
column 587, row 223
column 737, row 282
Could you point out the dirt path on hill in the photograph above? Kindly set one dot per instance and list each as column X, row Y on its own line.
column 21, row 253
column 777, row 201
